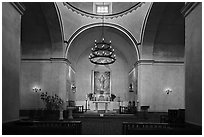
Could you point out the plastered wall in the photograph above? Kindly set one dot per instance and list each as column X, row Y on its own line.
column 70, row 82
column 153, row 79
column 133, row 79
column 11, row 25
column 49, row 76
column 119, row 80
column 193, row 66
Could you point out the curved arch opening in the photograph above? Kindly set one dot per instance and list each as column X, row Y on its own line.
column 119, row 28
column 79, row 47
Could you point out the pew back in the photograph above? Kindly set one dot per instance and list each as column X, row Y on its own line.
column 43, row 128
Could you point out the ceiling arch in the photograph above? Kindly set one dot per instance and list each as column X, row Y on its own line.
column 120, row 29
column 163, row 37
column 84, row 40
column 42, row 31
column 132, row 22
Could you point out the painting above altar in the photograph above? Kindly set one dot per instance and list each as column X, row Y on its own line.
column 101, row 82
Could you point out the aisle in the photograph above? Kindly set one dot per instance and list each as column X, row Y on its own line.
column 110, row 123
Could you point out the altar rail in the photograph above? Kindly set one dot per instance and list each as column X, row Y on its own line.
column 42, row 128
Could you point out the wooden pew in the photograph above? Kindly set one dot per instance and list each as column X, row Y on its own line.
column 131, row 128
column 43, row 128
column 136, row 128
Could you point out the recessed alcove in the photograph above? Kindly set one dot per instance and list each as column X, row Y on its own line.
column 126, row 56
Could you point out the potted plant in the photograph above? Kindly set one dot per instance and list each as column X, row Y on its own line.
column 54, row 105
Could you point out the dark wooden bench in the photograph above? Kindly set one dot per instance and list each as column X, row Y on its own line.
column 174, row 117
column 42, row 128
column 130, row 128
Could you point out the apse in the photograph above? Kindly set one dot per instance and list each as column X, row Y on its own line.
column 126, row 55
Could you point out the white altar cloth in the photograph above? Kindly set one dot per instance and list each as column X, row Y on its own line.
column 101, row 105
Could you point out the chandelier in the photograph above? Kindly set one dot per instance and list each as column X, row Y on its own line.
column 102, row 53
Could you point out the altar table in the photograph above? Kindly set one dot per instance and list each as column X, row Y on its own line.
column 101, row 102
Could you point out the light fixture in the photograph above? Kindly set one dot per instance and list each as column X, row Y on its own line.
column 73, row 87
column 131, row 88
column 36, row 89
column 102, row 52
column 168, row 90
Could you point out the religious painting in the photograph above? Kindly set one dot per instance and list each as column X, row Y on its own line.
column 101, row 82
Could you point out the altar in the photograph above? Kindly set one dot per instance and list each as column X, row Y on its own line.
column 101, row 105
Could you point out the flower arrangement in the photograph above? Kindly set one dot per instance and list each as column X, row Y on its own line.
column 90, row 96
column 112, row 97
column 52, row 102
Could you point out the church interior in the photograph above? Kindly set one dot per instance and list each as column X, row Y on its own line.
column 101, row 68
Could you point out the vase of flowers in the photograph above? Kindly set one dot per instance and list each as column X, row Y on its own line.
column 54, row 106
column 90, row 96
column 112, row 97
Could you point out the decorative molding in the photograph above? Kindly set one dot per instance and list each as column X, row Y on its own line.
column 189, row 7
column 144, row 62
column 97, row 16
column 48, row 60
column 144, row 24
column 60, row 21
column 132, row 71
column 72, row 69
column 19, row 7
column 147, row 62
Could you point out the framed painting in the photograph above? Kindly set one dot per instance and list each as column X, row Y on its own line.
column 101, row 82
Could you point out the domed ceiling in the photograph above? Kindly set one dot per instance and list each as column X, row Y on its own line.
column 163, row 37
column 127, row 15
column 116, row 8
